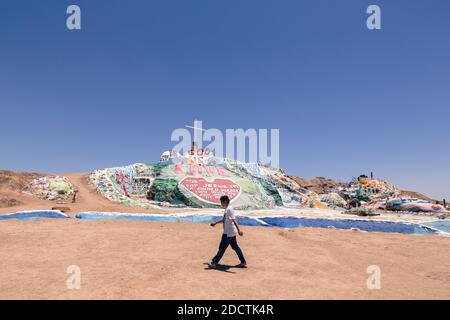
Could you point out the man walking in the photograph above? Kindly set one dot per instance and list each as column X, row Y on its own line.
column 230, row 230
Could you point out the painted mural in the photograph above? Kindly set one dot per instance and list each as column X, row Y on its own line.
column 199, row 179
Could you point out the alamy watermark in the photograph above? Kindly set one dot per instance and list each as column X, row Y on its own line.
column 74, row 279
column 374, row 279
column 374, row 20
column 250, row 145
column 73, row 21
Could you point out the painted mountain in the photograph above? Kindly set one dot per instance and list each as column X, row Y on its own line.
column 199, row 180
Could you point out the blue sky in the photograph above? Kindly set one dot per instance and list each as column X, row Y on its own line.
column 347, row 100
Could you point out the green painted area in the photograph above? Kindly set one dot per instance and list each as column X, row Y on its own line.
column 164, row 189
column 158, row 169
column 272, row 191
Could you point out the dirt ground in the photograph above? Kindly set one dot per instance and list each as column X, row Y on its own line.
column 125, row 259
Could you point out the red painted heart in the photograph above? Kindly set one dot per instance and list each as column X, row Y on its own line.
column 211, row 191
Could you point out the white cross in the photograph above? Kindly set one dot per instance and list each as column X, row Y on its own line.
column 197, row 127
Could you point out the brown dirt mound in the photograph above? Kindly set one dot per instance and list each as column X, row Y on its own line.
column 11, row 186
column 16, row 181
column 417, row 195
column 318, row 184
column 6, row 202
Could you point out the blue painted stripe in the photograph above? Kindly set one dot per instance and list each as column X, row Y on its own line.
column 365, row 225
column 281, row 222
column 30, row 215
column 442, row 225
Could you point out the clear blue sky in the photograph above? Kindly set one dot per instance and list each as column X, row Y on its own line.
column 346, row 100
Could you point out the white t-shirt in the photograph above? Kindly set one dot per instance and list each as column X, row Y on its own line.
column 228, row 226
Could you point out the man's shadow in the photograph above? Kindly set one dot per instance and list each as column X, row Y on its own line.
column 221, row 267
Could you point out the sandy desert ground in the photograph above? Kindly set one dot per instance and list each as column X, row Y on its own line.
column 152, row 260
column 123, row 259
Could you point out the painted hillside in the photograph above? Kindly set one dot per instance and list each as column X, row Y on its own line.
column 199, row 180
